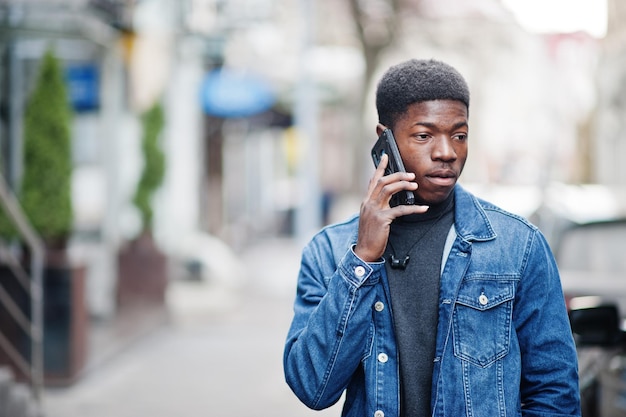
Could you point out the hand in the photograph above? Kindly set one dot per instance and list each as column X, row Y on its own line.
column 376, row 213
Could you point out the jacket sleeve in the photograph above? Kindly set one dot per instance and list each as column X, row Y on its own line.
column 549, row 385
column 331, row 331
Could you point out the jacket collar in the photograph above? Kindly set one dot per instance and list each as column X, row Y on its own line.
column 470, row 220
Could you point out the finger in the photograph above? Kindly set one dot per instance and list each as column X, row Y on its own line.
column 400, row 176
column 380, row 169
column 388, row 186
column 378, row 174
column 392, row 182
column 404, row 210
column 382, row 165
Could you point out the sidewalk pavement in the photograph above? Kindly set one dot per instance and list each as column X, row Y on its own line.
column 216, row 350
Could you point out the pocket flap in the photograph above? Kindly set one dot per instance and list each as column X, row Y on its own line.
column 483, row 294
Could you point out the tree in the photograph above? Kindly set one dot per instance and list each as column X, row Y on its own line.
column 154, row 164
column 377, row 23
column 142, row 267
column 45, row 191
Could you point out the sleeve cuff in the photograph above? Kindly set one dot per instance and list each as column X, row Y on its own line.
column 357, row 272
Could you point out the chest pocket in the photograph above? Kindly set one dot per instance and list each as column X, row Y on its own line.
column 482, row 320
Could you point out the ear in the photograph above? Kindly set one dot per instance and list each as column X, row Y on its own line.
column 379, row 128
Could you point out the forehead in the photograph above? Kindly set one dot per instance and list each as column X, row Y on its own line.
column 434, row 112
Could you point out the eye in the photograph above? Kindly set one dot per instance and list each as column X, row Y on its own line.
column 461, row 136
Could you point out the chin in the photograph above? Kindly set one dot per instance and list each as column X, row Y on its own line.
column 433, row 198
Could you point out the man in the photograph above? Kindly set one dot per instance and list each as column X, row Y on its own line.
column 449, row 307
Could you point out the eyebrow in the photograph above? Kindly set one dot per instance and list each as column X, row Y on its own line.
column 433, row 125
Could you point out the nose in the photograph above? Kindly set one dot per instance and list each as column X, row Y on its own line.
column 443, row 150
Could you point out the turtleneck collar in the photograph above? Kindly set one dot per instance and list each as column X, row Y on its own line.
column 434, row 211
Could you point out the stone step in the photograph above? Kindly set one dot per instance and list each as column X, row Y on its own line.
column 16, row 398
column 7, row 381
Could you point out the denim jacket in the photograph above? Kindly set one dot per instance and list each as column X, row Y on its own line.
column 504, row 345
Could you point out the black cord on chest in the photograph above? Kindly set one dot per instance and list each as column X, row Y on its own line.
column 401, row 264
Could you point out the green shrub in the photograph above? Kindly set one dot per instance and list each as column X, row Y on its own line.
column 154, row 164
column 45, row 189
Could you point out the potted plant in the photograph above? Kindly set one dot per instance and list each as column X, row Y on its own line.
column 142, row 274
column 45, row 196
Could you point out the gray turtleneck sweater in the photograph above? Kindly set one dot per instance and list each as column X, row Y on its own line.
column 414, row 299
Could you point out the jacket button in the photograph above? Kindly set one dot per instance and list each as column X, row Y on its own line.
column 483, row 300
column 379, row 413
column 359, row 271
column 379, row 306
column 382, row 357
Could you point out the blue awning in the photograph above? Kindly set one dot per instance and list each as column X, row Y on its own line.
column 229, row 94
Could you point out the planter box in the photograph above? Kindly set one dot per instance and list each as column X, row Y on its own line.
column 65, row 319
column 142, row 274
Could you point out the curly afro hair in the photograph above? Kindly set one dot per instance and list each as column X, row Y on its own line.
column 415, row 81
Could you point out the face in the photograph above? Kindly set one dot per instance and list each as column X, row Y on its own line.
column 432, row 139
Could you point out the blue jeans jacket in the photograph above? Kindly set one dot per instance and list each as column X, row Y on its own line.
column 504, row 344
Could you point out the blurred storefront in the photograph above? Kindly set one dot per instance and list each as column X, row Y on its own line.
column 119, row 58
column 87, row 37
column 263, row 119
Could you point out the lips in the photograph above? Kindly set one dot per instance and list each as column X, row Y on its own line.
column 444, row 177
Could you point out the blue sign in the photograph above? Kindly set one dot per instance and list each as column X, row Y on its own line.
column 83, row 81
column 230, row 94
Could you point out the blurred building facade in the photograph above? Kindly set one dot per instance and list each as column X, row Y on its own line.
column 533, row 95
column 609, row 127
column 87, row 37
column 535, row 104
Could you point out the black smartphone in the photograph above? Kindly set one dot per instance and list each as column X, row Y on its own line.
column 386, row 144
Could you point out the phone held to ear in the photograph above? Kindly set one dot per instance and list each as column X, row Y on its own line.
column 386, row 144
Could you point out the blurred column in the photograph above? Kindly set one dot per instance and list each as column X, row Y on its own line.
column 308, row 212
column 212, row 182
column 610, row 125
